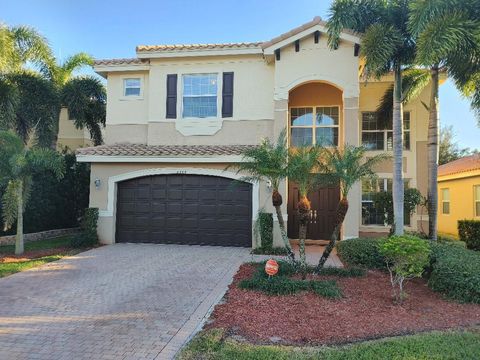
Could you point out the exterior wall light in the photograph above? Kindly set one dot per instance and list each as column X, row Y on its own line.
column 97, row 183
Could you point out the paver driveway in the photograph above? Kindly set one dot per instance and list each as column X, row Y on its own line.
column 123, row 301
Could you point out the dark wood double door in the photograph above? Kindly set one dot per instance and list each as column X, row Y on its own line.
column 324, row 203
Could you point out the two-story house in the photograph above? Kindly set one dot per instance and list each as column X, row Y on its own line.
column 179, row 115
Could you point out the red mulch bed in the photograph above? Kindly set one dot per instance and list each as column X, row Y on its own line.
column 365, row 312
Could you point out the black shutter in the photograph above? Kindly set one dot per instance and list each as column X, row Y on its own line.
column 171, row 96
column 227, row 95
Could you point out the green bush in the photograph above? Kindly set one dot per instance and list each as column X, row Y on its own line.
column 270, row 251
column 265, row 223
column 362, row 252
column 88, row 235
column 406, row 258
column 455, row 272
column 469, row 231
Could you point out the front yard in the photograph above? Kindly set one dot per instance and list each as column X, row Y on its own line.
column 36, row 253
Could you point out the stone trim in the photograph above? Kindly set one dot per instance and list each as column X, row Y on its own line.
column 42, row 235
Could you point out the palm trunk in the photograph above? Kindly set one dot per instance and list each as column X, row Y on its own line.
column 19, row 236
column 398, row 190
column 433, row 129
column 304, row 212
column 342, row 210
column 277, row 203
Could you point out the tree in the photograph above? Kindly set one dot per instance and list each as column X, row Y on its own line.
column 84, row 97
column 268, row 162
column 20, row 45
column 387, row 46
column 447, row 34
column 345, row 167
column 448, row 148
column 303, row 169
column 17, row 163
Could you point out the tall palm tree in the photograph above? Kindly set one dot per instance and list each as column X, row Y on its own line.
column 268, row 162
column 20, row 45
column 345, row 167
column 17, row 164
column 386, row 46
column 447, row 34
column 303, row 169
column 84, row 97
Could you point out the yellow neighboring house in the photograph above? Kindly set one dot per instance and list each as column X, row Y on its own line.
column 458, row 193
column 69, row 136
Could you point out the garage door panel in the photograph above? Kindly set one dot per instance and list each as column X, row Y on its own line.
column 184, row 209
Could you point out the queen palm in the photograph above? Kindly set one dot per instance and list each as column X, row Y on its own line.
column 345, row 167
column 17, row 165
column 303, row 170
column 447, row 34
column 268, row 162
column 386, row 46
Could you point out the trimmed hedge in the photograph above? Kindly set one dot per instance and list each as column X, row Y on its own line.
column 361, row 252
column 455, row 272
column 469, row 231
column 88, row 225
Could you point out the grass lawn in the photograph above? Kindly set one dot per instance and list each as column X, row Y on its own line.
column 36, row 253
column 213, row 344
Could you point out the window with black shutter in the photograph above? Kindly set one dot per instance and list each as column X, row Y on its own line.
column 171, row 96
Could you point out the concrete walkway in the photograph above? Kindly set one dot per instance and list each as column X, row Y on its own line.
column 123, row 301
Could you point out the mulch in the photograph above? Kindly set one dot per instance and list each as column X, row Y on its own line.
column 366, row 311
column 33, row 254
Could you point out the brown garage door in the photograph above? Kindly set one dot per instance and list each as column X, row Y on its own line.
column 184, row 209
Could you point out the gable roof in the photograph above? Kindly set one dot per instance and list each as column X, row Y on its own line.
column 467, row 163
column 178, row 47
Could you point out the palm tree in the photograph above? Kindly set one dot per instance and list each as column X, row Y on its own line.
column 386, row 46
column 268, row 162
column 303, row 169
column 345, row 167
column 17, row 164
column 20, row 45
column 447, row 34
column 84, row 97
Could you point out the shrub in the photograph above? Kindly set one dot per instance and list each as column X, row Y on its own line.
column 406, row 258
column 361, row 252
column 265, row 223
column 469, row 231
column 270, row 251
column 88, row 235
column 455, row 272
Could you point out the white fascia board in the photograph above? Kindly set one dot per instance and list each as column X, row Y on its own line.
column 158, row 159
column 112, row 68
column 307, row 32
column 195, row 53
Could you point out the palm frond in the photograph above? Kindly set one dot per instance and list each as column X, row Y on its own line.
column 47, row 159
column 85, row 99
column 303, row 168
column 9, row 100
column 9, row 203
column 379, row 44
column 10, row 146
column 60, row 74
column 30, row 45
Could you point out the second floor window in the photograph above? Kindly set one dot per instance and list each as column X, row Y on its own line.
column 199, row 95
column 377, row 136
column 314, row 126
column 131, row 87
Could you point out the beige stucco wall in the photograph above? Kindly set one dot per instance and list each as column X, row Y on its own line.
column 68, row 135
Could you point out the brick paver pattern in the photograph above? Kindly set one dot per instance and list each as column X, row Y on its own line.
column 123, row 301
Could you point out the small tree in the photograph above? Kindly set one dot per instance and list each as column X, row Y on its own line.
column 268, row 162
column 303, row 169
column 345, row 167
column 17, row 164
column 406, row 258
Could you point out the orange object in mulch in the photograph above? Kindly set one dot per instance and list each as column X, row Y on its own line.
column 271, row 267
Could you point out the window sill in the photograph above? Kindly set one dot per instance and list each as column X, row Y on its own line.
column 198, row 126
column 130, row 98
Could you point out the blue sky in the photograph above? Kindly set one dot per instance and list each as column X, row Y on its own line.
column 110, row 29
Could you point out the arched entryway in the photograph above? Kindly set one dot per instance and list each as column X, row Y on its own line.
column 315, row 118
column 184, row 209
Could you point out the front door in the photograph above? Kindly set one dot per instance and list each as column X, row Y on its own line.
column 324, row 203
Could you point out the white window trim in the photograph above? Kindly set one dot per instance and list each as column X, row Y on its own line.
column 124, row 97
column 314, row 126
column 180, row 91
column 385, row 133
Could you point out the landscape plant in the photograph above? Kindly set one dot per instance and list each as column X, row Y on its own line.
column 469, row 232
column 88, row 229
column 345, row 167
column 268, row 162
column 18, row 163
column 406, row 257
